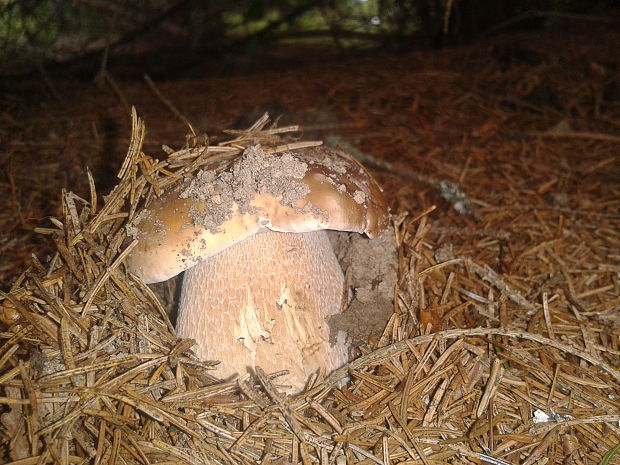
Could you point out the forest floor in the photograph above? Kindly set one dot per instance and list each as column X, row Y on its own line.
column 504, row 157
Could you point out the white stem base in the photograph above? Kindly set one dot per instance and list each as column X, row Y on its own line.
column 265, row 301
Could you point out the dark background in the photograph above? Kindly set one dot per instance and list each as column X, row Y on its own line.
column 171, row 39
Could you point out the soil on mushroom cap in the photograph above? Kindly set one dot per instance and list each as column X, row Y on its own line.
column 254, row 172
column 279, row 175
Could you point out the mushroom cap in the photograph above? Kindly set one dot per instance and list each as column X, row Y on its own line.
column 303, row 190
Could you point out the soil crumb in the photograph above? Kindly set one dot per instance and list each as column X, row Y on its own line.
column 281, row 175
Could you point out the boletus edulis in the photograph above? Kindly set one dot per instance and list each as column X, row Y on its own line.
column 261, row 277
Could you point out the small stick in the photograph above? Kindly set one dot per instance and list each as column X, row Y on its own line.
column 493, row 382
column 450, row 192
column 577, row 135
column 280, row 402
column 401, row 346
column 547, row 316
column 168, row 103
column 487, row 274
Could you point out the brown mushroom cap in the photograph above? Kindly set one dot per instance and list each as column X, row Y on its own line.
column 303, row 190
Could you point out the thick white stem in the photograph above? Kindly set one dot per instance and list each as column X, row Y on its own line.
column 265, row 301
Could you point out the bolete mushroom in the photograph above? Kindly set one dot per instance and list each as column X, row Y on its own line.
column 262, row 278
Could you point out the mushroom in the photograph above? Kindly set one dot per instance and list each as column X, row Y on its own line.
column 262, row 279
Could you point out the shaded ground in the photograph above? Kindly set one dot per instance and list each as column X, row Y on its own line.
column 469, row 116
column 527, row 126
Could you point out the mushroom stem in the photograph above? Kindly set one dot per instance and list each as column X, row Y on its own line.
column 266, row 301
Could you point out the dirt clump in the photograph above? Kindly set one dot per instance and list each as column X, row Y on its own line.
column 370, row 265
